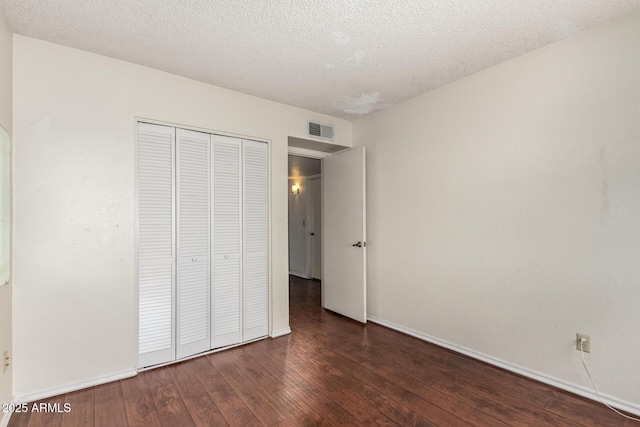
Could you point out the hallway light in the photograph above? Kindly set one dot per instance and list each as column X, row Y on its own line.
column 295, row 188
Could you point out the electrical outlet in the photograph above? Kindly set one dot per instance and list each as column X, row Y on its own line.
column 5, row 361
column 586, row 345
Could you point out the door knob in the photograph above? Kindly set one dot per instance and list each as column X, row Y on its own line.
column 359, row 244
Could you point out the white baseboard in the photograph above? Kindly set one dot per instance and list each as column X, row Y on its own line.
column 73, row 387
column 281, row 332
column 561, row 384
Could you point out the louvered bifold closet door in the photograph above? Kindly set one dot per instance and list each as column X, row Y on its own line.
column 255, row 245
column 227, row 241
column 193, row 216
column 156, row 243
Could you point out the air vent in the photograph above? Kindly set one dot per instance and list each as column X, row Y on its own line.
column 320, row 130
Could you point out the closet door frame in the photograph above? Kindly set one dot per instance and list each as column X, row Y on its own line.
column 143, row 364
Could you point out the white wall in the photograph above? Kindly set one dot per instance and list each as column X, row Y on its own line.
column 298, row 205
column 504, row 209
column 74, row 307
column 6, row 71
column 6, row 107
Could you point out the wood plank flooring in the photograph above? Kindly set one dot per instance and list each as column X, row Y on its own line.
column 329, row 372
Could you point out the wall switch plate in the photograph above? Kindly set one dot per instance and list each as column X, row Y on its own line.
column 5, row 361
column 586, row 346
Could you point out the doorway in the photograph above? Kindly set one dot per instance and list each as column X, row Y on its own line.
column 305, row 217
column 327, row 233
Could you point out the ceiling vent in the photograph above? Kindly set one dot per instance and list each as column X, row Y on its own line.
column 320, row 130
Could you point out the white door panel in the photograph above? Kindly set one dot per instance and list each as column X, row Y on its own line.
column 316, row 239
column 226, row 286
column 255, row 283
column 226, row 298
column 344, row 234
column 156, row 244
column 192, row 308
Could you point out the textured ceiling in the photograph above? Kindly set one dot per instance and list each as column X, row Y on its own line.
column 339, row 57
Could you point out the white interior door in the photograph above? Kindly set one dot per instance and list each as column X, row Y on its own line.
column 193, row 281
column 226, row 288
column 156, row 244
column 298, row 228
column 315, row 192
column 255, row 285
column 344, row 280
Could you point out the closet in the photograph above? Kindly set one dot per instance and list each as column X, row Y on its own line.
column 202, row 238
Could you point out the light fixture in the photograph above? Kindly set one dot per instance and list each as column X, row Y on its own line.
column 295, row 188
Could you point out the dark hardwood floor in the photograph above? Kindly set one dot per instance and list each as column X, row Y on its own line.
column 329, row 371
